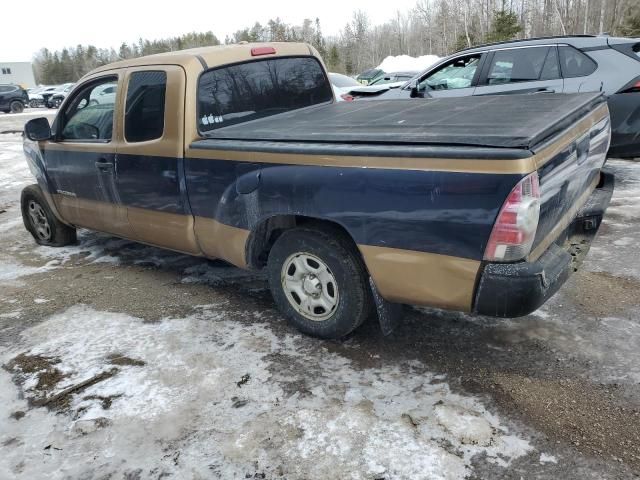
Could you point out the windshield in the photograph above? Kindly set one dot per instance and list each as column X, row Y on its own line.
column 342, row 81
column 246, row 91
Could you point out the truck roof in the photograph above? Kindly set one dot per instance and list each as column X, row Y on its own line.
column 210, row 57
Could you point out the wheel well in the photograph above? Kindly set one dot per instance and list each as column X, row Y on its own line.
column 266, row 233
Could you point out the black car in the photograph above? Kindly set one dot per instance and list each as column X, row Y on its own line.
column 570, row 64
column 13, row 98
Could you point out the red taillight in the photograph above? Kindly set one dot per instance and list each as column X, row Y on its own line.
column 515, row 227
column 255, row 51
column 633, row 86
column 347, row 98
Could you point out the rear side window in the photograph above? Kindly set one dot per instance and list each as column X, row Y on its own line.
column 256, row 89
column 144, row 110
column 517, row 65
column 575, row 63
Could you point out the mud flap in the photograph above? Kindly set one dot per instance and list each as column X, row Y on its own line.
column 389, row 313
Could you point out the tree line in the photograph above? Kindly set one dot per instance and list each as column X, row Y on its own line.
column 436, row 27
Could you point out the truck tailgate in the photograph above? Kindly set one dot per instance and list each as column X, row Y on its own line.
column 569, row 175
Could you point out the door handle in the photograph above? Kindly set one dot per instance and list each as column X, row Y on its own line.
column 545, row 90
column 104, row 165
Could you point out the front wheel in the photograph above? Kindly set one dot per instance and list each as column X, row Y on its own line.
column 318, row 281
column 33, row 103
column 40, row 221
column 16, row 107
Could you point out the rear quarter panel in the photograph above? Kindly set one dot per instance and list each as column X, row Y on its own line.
column 422, row 233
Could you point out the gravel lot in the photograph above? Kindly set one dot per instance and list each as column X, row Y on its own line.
column 125, row 361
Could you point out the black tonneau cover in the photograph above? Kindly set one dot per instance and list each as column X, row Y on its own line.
column 502, row 121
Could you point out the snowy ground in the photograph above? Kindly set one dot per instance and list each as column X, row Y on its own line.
column 125, row 361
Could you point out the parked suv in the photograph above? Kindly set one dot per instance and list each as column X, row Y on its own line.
column 13, row 98
column 545, row 65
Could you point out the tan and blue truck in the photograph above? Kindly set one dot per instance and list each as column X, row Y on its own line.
column 240, row 152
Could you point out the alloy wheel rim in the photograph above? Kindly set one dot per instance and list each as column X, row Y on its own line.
column 39, row 221
column 310, row 286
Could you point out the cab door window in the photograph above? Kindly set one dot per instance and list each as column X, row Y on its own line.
column 84, row 119
column 458, row 73
column 144, row 110
column 518, row 65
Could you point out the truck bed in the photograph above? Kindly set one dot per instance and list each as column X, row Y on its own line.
column 504, row 121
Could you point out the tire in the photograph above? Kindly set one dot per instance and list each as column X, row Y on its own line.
column 40, row 221
column 321, row 261
column 33, row 104
column 16, row 106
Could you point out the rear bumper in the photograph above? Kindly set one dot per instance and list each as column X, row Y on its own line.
column 517, row 289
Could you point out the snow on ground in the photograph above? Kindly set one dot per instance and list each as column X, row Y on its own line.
column 203, row 395
column 405, row 63
column 14, row 172
column 621, row 257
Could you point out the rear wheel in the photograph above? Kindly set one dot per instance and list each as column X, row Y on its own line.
column 16, row 106
column 40, row 221
column 33, row 103
column 319, row 282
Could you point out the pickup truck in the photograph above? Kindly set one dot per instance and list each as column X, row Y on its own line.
column 240, row 152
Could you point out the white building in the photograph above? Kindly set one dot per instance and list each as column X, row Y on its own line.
column 19, row 73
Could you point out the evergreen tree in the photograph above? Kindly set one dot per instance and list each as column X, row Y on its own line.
column 333, row 60
column 505, row 27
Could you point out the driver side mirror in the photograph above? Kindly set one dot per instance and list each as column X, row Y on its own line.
column 38, row 129
column 415, row 89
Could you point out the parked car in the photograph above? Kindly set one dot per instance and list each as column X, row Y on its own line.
column 47, row 92
column 13, row 98
column 368, row 76
column 342, row 86
column 486, row 212
column 54, row 98
column 104, row 94
column 35, row 99
column 580, row 63
column 394, row 77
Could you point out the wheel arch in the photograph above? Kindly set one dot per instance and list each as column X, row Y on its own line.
column 268, row 230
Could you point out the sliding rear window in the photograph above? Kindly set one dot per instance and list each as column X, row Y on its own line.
column 247, row 91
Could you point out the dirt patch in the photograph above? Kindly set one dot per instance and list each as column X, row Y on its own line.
column 602, row 294
column 44, row 367
column 41, row 395
column 123, row 360
column 17, row 415
column 105, row 402
column 586, row 415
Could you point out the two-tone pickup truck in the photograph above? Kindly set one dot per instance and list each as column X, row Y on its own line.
column 240, row 152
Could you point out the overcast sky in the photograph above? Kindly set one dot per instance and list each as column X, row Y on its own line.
column 107, row 24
